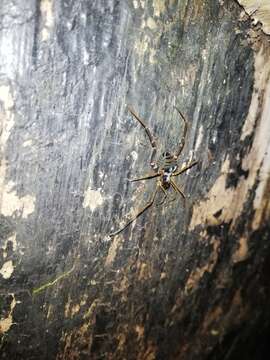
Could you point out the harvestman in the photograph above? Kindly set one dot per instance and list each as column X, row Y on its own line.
column 164, row 169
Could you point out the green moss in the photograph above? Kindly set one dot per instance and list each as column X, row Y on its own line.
column 52, row 283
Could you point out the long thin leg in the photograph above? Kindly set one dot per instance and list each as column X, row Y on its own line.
column 150, row 137
column 185, row 168
column 147, row 206
column 183, row 139
column 146, row 177
column 176, row 188
column 164, row 197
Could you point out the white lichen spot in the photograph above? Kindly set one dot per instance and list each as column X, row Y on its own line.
column 7, row 269
column 86, row 57
column 83, row 18
column 6, row 323
column 92, row 199
column 150, row 22
column 204, row 54
column 135, row 4
column 69, row 25
column 11, row 202
column 27, row 143
column 46, row 9
column 199, row 138
column 134, row 155
column 101, row 174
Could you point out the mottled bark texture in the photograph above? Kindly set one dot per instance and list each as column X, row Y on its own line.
column 182, row 282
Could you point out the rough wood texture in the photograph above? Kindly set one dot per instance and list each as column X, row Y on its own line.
column 259, row 11
column 181, row 283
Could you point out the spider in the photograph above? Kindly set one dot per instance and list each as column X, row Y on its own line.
column 164, row 170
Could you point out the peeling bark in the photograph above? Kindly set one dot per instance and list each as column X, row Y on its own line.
column 182, row 282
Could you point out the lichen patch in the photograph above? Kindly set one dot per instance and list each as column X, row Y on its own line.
column 46, row 9
column 27, row 143
column 92, row 199
column 7, row 269
column 150, row 22
column 199, row 138
column 11, row 202
column 6, row 323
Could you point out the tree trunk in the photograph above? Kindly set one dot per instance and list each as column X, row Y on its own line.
column 184, row 281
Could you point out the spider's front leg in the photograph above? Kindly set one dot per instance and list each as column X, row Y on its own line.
column 151, row 138
column 187, row 167
column 146, row 177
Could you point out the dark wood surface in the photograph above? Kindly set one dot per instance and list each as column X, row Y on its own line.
column 183, row 282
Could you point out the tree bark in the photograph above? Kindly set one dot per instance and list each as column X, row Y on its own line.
column 183, row 281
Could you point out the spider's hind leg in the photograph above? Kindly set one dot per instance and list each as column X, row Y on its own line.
column 176, row 188
column 183, row 138
column 164, row 197
column 147, row 206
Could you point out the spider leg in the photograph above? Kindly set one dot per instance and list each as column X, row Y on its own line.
column 150, row 137
column 146, row 177
column 176, row 188
column 164, row 197
column 185, row 168
column 147, row 206
column 183, row 139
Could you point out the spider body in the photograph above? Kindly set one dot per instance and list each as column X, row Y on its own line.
column 167, row 165
column 166, row 177
column 164, row 169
